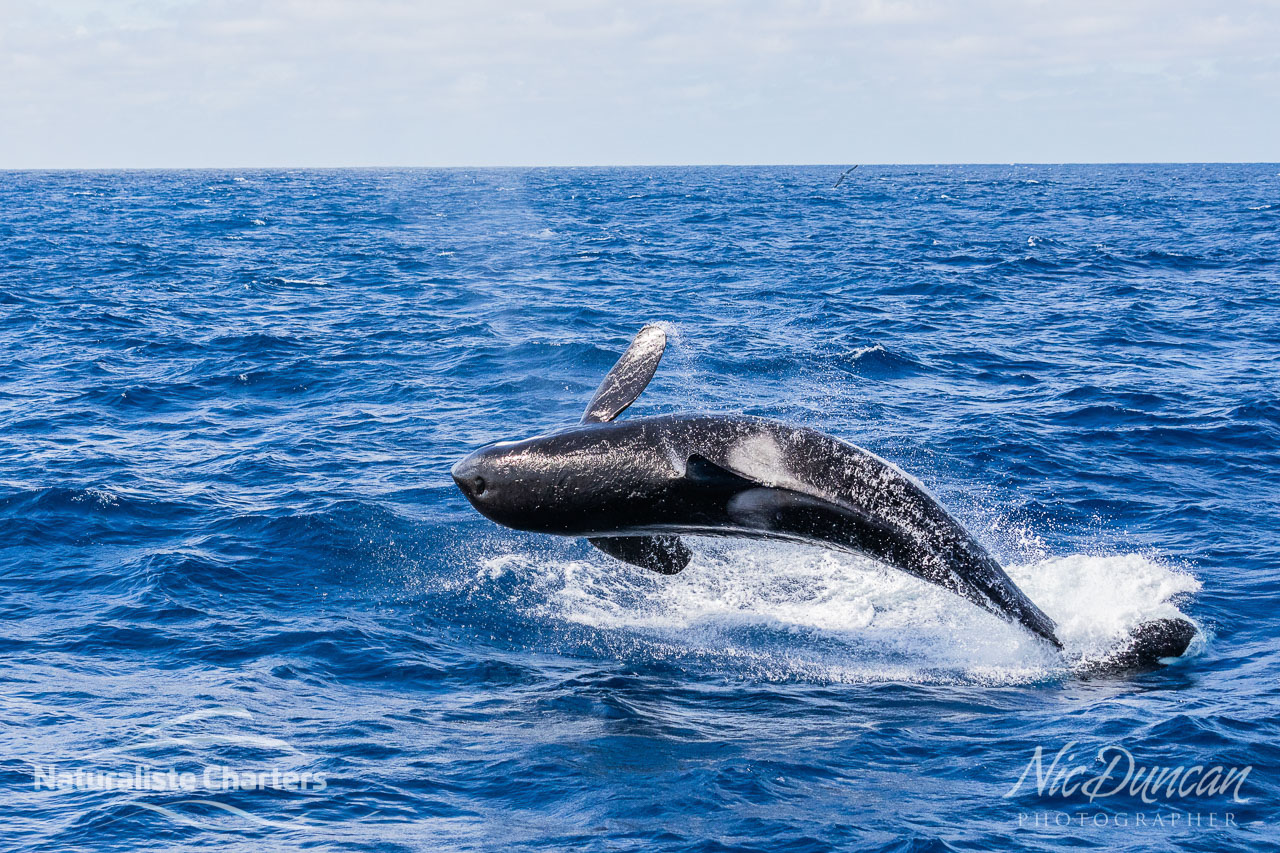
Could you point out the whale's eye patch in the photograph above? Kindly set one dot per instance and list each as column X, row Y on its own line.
column 479, row 484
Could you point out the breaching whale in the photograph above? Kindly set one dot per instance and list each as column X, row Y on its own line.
column 633, row 487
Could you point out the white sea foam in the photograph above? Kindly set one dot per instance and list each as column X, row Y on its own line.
column 99, row 497
column 861, row 351
column 793, row 612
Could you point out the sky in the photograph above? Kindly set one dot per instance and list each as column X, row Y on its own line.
column 233, row 83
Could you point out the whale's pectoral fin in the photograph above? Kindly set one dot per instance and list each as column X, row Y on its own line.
column 764, row 508
column 628, row 377
column 663, row 554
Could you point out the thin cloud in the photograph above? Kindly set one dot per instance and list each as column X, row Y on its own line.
column 579, row 82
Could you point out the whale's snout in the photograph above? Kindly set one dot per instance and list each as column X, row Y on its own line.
column 521, row 485
column 469, row 474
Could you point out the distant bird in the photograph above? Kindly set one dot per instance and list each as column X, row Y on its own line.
column 845, row 175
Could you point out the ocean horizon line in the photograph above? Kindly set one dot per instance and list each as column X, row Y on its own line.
column 532, row 167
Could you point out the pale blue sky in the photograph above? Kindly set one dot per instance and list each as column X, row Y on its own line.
column 167, row 83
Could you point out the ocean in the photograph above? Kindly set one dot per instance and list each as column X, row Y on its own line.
column 245, row 607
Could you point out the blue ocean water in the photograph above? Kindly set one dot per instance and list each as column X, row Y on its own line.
column 232, row 550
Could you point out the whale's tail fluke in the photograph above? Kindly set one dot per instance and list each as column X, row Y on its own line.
column 1149, row 645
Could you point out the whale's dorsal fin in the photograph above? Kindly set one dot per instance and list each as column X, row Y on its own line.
column 620, row 388
column 628, row 377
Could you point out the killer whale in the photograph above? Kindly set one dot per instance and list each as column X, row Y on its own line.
column 634, row 487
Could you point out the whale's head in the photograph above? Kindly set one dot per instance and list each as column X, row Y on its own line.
column 490, row 479
column 574, row 482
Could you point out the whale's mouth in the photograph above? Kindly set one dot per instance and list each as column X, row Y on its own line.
column 776, row 611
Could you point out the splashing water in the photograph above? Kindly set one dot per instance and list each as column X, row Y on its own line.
column 794, row 611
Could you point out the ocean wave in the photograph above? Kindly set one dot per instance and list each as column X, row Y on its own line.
column 224, row 483
column 877, row 362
